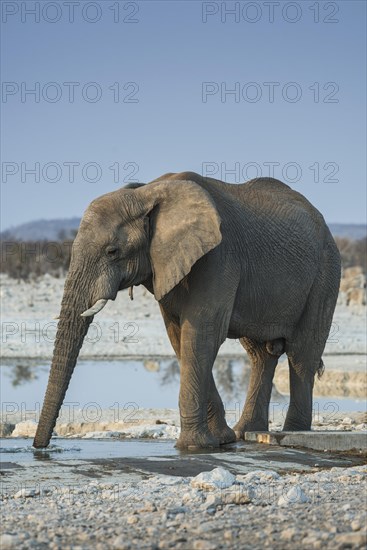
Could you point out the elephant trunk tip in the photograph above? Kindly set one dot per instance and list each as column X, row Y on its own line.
column 41, row 441
column 39, row 444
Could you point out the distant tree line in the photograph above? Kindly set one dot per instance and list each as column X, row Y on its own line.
column 28, row 259
column 353, row 252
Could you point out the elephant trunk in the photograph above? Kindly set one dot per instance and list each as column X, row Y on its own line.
column 71, row 331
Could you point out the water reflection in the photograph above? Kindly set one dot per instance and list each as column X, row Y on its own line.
column 22, row 373
column 231, row 375
column 170, row 373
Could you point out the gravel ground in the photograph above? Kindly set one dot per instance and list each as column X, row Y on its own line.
column 214, row 510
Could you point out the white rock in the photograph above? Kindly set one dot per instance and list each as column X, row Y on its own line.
column 212, row 500
column 219, row 478
column 204, row 545
column 27, row 428
column 352, row 540
column 132, row 519
column 236, row 495
column 119, row 542
column 162, row 480
column 259, row 476
column 148, row 506
column 311, row 542
column 101, row 435
column 190, row 497
column 347, row 420
column 26, row 493
column 289, row 533
column 295, row 495
column 8, row 541
column 152, row 431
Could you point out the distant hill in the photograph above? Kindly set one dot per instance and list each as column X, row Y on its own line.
column 52, row 229
column 353, row 231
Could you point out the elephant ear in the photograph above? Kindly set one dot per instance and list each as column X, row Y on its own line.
column 185, row 225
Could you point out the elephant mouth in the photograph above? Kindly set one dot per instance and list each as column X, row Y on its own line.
column 126, row 282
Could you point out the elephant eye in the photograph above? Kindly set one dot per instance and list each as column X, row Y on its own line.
column 112, row 251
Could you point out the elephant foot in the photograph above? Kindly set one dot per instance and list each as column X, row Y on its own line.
column 294, row 426
column 240, row 434
column 295, row 422
column 224, row 433
column 194, row 440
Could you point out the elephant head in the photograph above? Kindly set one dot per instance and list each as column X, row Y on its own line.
column 151, row 234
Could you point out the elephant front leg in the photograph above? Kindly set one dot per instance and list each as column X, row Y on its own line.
column 195, row 433
column 197, row 358
column 216, row 417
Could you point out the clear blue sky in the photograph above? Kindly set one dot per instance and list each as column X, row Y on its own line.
column 176, row 122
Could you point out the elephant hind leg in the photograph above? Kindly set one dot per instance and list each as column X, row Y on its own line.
column 264, row 358
column 217, row 425
column 308, row 343
column 304, row 359
column 301, row 380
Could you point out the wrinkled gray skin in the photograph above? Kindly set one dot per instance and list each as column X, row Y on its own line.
column 254, row 262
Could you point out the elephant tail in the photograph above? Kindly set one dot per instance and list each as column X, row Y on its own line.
column 320, row 369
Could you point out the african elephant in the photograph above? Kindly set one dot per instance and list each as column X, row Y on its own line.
column 254, row 261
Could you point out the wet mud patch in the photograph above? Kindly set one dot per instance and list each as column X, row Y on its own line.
column 241, row 458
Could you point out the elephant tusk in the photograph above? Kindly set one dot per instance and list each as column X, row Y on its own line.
column 56, row 317
column 94, row 309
